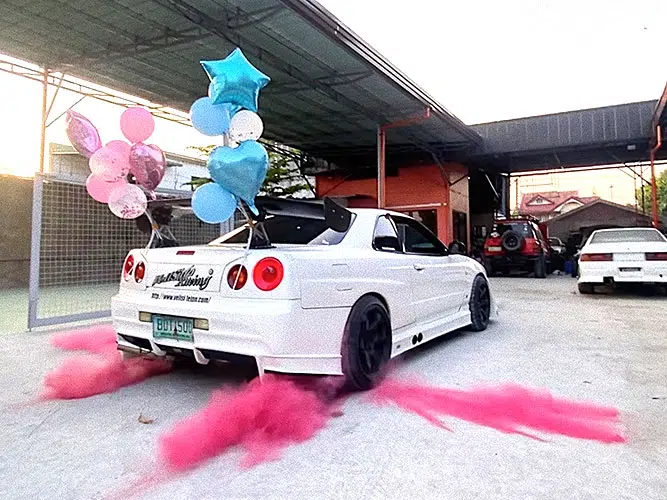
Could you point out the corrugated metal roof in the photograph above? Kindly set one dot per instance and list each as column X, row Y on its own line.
column 329, row 89
column 611, row 124
column 599, row 136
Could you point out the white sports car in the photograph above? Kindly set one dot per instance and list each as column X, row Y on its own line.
column 628, row 255
column 313, row 288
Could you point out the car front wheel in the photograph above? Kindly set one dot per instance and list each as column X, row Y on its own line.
column 366, row 346
column 585, row 288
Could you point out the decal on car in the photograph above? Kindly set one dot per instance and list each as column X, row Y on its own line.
column 185, row 277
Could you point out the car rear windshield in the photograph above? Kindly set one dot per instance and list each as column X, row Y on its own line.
column 628, row 236
column 523, row 228
column 288, row 231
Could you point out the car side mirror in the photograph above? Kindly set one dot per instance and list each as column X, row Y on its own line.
column 387, row 244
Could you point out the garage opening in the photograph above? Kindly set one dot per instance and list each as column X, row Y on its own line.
column 427, row 217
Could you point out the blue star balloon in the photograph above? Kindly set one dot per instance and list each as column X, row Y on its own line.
column 235, row 81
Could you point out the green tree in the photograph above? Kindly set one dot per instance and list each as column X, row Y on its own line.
column 661, row 185
column 283, row 178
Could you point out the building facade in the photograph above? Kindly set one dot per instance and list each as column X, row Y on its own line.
column 597, row 214
column 437, row 197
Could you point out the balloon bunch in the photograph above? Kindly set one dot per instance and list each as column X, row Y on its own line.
column 238, row 168
column 118, row 163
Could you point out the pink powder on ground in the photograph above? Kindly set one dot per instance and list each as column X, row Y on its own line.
column 103, row 371
column 263, row 418
column 508, row 408
column 268, row 415
column 85, row 376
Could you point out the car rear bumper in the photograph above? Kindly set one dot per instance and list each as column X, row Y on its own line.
column 279, row 334
column 623, row 272
column 514, row 261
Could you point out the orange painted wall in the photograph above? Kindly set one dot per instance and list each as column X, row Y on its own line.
column 417, row 185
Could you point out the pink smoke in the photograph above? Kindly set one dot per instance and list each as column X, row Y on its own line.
column 507, row 408
column 263, row 419
column 102, row 371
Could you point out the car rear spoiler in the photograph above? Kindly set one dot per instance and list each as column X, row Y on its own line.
column 334, row 215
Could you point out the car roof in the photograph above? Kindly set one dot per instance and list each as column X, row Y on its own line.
column 625, row 229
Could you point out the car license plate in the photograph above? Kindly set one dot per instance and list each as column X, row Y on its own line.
column 495, row 249
column 630, row 269
column 169, row 327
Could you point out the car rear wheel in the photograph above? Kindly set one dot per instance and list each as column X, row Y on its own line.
column 541, row 267
column 585, row 288
column 480, row 304
column 366, row 346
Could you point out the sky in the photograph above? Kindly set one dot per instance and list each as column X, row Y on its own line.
column 484, row 60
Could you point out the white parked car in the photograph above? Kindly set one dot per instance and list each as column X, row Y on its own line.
column 627, row 255
column 320, row 290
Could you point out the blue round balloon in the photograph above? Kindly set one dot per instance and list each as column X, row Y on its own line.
column 209, row 118
column 213, row 204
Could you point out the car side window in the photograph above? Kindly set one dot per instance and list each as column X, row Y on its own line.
column 416, row 239
column 385, row 237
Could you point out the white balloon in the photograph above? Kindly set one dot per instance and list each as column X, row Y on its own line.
column 128, row 201
column 245, row 126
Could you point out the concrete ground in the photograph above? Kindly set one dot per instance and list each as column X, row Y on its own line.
column 607, row 349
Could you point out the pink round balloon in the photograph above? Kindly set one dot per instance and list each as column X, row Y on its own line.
column 120, row 146
column 137, row 124
column 99, row 189
column 147, row 164
column 82, row 134
column 128, row 201
column 109, row 163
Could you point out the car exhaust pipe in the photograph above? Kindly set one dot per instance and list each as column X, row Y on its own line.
column 126, row 347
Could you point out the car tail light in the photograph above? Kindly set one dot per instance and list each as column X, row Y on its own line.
column 139, row 272
column 268, row 274
column 656, row 256
column 493, row 245
column 237, row 277
column 532, row 245
column 127, row 267
column 597, row 257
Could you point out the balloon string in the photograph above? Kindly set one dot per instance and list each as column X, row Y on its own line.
column 251, row 229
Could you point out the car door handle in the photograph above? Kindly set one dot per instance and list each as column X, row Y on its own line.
column 418, row 267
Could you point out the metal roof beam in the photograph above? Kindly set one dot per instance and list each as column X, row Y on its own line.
column 96, row 93
column 170, row 38
column 659, row 112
